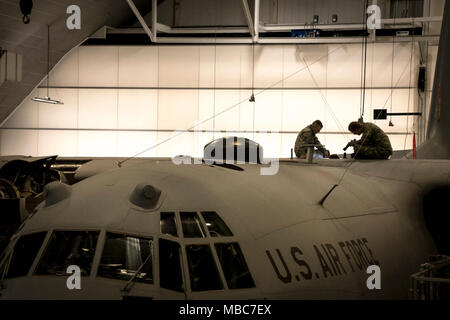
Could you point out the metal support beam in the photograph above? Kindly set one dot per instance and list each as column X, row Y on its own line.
column 265, row 40
column 407, row 22
column 141, row 19
column 176, row 30
column 248, row 17
column 256, row 20
column 155, row 20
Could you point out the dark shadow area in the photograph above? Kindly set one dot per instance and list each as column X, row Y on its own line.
column 437, row 217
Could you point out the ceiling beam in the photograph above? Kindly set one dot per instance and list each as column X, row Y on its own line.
column 248, row 17
column 155, row 20
column 256, row 20
column 141, row 20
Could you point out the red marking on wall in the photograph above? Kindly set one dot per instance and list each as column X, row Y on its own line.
column 439, row 104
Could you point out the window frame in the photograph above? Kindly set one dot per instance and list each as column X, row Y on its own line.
column 177, row 221
column 10, row 249
column 102, row 242
column 46, row 243
column 200, row 213
column 203, row 227
column 216, row 261
column 245, row 260
column 39, row 253
column 183, row 266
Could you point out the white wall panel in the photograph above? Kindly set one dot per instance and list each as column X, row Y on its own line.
column 287, row 142
column 344, row 107
column 246, row 66
column 301, row 108
column 247, row 109
column 268, row 66
column 205, row 109
column 178, row 68
column 175, row 144
column 97, row 109
column 26, row 115
column 19, row 142
column 271, row 143
column 58, row 142
column 98, row 66
column 177, row 109
column 268, row 110
column 57, row 115
column 343, row 67
column 97, row 144
column 138, row 66
column 227, row 100
column 132, row 143
column 65, row 73
column 404, row 62
column 138, row 109
column 380, row 99
column 401, row 142
column 379, row 65
column 228, row 71
column 200, row 140
column 207, row 55
column 295, row 71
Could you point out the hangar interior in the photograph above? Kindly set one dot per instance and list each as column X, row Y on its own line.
column 123, row 93
column 86, row 87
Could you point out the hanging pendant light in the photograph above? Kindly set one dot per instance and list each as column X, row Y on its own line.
column 47, row 99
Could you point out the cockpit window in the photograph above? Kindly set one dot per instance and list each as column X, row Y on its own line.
column 170, row 265
column 124, row 255
column 168, row 224
column 234, row 266
column 216, row 226
column 23, row 255
column 192, row 226
column 68, row 248
column 202, row 268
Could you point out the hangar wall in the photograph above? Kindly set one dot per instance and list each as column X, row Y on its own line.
column 121, row 100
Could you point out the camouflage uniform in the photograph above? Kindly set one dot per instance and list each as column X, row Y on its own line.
column 374, row 143
column 306, row 136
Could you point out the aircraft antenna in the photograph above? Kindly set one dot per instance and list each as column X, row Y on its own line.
column 129, row 285
column 326, row 196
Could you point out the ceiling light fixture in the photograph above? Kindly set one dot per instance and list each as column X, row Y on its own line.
column 47, row 99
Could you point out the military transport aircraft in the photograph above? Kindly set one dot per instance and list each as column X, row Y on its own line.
column 154, row 229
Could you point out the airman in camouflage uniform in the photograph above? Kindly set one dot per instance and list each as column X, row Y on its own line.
column 374, row 143
column 308, row 136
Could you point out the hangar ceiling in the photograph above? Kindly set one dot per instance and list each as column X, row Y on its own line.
column 30, row 40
